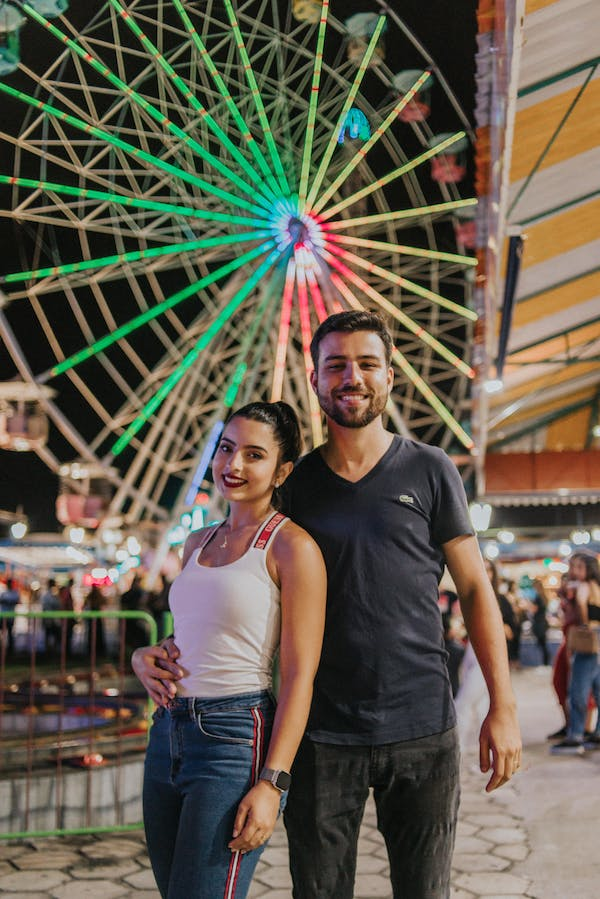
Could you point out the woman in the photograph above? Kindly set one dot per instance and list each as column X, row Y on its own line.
column 219, row 752
column 584, row 574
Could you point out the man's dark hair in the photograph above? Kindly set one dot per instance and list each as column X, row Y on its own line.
column 347, row 323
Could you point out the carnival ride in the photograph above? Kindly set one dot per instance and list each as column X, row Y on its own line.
column 195, row 186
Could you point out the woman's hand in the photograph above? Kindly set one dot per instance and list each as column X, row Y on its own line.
column 157, row 669
column 256, row 816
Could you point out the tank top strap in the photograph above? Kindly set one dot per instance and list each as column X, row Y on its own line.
column 268, row 530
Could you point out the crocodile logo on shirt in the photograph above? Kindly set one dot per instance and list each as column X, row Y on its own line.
column 406, row 498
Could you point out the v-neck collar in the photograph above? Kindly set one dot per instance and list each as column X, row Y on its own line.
column 369, row 474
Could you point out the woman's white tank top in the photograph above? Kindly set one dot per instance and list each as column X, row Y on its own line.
column 228, row 620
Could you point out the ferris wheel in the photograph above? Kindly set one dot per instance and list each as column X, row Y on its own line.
column 195, row 186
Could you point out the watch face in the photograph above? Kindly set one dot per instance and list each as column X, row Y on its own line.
column 283, row 780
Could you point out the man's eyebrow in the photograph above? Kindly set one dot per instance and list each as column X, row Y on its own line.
column 334, row 356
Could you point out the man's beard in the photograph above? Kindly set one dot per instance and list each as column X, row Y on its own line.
column 353, row 418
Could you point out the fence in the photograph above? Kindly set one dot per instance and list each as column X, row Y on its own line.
column 73, row 722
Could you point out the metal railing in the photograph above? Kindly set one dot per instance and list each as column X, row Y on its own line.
column 73, row 722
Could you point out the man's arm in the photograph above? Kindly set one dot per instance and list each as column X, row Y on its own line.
column 499, row 738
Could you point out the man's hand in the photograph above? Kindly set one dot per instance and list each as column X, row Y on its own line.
column 156, row 668
column 500, row 746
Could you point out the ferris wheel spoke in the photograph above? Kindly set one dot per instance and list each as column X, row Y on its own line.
column 431, row 397
column 134, row 256
column 284, row 332
column 333, row 139
column 128, row 92
column 413, row 376
column 256, row 97
column 184, row 89
column 313, row 285
column 306, row 331
column 379, row 183
column 420, row 252
column 312, row 106
column 136, row 152
column 99, row 345
column 375, row 137
column 193, row 354
column 400, row 316
column 399, row 214
column 133, row 202
column 393, row 278
column 245, row 132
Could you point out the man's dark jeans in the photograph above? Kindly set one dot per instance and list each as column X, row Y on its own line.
column 416, row 787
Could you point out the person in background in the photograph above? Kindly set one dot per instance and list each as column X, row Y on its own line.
column 132, row 601
column 9, row 599
column 52, row 628
column 538, row 606
column 569, row 617
column 65, row 595
column 584, row 574
column 509, row 619
column 95, row 602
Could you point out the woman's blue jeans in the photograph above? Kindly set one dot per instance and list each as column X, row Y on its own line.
column 203, row 756
column 585, row 678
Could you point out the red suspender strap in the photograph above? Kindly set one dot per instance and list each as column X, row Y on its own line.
column 265, row 535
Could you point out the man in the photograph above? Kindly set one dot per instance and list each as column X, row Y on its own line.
column 387, row 513
column 52, row 627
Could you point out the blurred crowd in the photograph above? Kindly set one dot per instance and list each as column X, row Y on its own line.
column 77, row 635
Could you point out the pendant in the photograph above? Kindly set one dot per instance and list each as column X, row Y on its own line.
column 224, row 543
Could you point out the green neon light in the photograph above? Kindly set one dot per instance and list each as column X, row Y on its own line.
column 193, row 354
column 312, row 106
column 329, row 150
column 232, row 390
column 134, row 202
column 404, row 250
column 134, row 256
column 154, row 161
column 375, row 137
column 231, row 106
column 156, row 114
column 398, row 214
column 255, row 92
column 155, row 311
column 397, row 173
column 181, row 86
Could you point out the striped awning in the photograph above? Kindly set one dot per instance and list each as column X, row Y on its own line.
column 551, row 197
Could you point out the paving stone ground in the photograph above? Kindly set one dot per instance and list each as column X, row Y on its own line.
column 510, row 844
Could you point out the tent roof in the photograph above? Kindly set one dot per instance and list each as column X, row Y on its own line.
column 552, row 371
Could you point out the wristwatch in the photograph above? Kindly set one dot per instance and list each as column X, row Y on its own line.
column 281, row 780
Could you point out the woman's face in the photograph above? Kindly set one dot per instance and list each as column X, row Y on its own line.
column 246, row 464
column 577, row 570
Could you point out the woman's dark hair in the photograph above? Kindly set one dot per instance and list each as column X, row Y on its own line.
column 347, row 323
column 282, row 420
column 592, row 569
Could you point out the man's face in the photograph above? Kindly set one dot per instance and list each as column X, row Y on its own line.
column 352, row 380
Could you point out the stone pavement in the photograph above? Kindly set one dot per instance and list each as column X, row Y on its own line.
column 510, row 844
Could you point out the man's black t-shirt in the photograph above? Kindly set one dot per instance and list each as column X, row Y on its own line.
column 382, row 676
